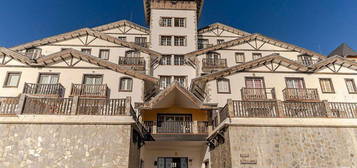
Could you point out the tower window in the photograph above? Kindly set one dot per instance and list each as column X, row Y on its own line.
column 166, row 22
column 165, row 40
column 179, row 60
column 180, row 41
column 180, row 22
column 165, row 60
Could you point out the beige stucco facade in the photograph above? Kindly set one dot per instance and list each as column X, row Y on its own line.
column 191, row 112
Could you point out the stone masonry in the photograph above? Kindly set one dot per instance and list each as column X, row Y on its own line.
column 64, row 146
column 290, row 147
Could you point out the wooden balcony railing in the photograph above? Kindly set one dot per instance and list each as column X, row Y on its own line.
column 85, row 90
column 294, row 94
column 256, row 109
column 177, row 127
column 66, row 106
column 305, row 110
column 343, row 110
column 202, row 127
column 8, row 105
column 107, row 107
column 37, row 89
column 136, row 63
column 49, row 106
column 285, row 109
column 213, row 64
column 258, row 94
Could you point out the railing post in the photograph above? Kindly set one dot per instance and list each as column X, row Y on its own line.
column 280, row 108
column 154, row 127
column 127, row 105
column 230, row 108
column 195, row 127
column 328, row 109
column 74, row 108
column 21, row 106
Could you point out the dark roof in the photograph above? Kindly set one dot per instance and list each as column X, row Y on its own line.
column 343, row 50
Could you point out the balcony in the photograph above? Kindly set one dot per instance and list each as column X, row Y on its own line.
column 202, row 46
column 209, row 65
column 53, row 90
column 135, row 63
column 177, row 127
column 86, row 90
column 258, row 93
column 303, row 94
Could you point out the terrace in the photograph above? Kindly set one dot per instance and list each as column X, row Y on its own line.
column 285, row 109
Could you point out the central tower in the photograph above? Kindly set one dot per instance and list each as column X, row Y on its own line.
column 173, row 24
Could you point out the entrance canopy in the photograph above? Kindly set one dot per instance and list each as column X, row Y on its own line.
column 174, row 95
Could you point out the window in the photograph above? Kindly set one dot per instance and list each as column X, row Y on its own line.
column 254, row 82
column 213, row 58
column 223, row 86
column 141, row 41
column 165, row 81
column 48, row 78
column 104, row 54
column 257, row 56
column 132, row 53
column 87, row 51
column 305, row 59
column 181, row 80
column 12, row 79
column 123, row 38
column 220, row 41
column 165, row 40
column 203, row 43
column 93, row 79
column 351, row 86
column 180, row 22
column 165, row 60
column 179, row 60
column 126, row 85
column 166, row 22
column 180, row 41
column 240, row 58
column 326, row 85
column 295, row 83
column 33, row 53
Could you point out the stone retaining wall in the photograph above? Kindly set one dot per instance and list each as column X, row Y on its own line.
column 290, row 147
column 65, row 145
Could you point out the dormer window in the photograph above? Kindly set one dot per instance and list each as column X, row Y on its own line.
column 33, row 53
column 305, row 59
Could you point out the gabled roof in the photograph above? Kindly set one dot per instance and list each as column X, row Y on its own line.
column 334, row 60
column 273, row 58
column 83, row 32
column 343, row 50
column 120, row 24
column 223, row 27
column 255, row 37
column 60, row 56
column 166, row 98
column 14, row 55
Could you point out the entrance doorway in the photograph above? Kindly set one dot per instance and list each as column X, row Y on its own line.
column 172, row 162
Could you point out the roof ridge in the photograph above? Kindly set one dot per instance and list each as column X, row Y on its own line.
column 228, row 28
column 117, row 23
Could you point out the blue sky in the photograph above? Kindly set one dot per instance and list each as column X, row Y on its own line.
column 319, row 25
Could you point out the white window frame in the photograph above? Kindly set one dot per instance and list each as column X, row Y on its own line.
column 101, row 54
column 125, row 84
column 9, row 76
